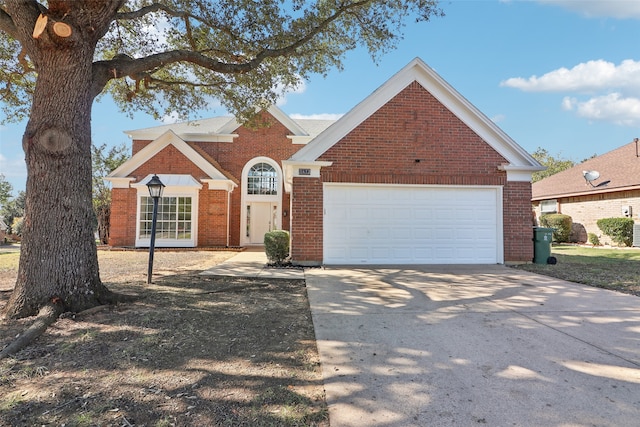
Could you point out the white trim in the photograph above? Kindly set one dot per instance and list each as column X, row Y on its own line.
column 217, row 184
column 209, row 137
column 498, row 206
column 292, row 170
column 173, row 191
column 519, row 174
column 119, row 182
column 173, row 181
column 153, row 148
column 419, row 71
column 299, row 139
column 246, row 199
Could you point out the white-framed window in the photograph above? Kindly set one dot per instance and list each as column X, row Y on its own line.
column 173, row 219
column 262, row 179
column 549, row 206
column 177, row 219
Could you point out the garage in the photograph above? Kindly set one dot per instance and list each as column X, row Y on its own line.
column 412, row 224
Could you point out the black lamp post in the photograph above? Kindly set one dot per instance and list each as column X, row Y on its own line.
column 155, row 187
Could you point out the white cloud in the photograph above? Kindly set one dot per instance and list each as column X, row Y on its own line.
column 585, row 77
column 620, row 9
column 613, row 108
column 321, row 116
column 171, row 118
column 613, row 90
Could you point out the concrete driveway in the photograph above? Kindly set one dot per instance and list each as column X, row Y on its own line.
column 474, row 345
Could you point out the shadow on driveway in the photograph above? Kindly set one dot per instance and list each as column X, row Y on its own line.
column 469, row 345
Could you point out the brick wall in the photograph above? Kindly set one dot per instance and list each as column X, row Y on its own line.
column 585, row 211
column 518, row 222
column 306, row 221
column 212, row 217
column 269, row 139
column 122, row 231
column 413, row 139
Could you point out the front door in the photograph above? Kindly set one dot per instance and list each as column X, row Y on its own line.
column 261, row 218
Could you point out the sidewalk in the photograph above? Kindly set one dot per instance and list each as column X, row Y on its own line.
column 253, row 263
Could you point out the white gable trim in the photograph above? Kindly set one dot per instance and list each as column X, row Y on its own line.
column 420, row 72
column 166, row 139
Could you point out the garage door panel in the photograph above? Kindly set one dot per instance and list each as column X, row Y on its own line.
column 366, row 224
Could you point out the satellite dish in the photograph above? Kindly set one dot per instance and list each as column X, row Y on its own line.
column 591, row 176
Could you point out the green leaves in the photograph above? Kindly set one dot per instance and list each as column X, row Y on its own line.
column 553, row 164
column 182, row 54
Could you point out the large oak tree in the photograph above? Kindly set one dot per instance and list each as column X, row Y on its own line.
column 162, row 57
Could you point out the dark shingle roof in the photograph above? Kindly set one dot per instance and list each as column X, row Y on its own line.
column 621, row 166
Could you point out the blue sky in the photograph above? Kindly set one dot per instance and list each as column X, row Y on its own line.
column 563, row 75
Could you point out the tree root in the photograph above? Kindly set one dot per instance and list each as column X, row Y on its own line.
column 48, row 314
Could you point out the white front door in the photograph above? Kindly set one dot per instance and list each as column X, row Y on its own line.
column 261, row 218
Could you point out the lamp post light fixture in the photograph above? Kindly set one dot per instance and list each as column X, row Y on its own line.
column 155, row 187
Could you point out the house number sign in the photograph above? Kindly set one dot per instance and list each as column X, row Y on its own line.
column 304, row 171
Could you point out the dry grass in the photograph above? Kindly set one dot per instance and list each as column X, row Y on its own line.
column 191, row 351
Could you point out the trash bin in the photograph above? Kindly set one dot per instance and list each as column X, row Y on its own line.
column 542, row 238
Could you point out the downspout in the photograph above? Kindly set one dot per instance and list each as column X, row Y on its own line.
column 228, row 214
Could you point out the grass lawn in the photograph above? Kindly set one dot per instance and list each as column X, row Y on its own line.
column 612, row 268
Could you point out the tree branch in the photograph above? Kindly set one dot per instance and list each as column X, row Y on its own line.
column 7, row 25
column 122, row 65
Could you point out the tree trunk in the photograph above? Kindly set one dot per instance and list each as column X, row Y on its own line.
column 103, row 214
column 59, row 257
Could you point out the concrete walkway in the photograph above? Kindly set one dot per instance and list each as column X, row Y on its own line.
column 252, row 262
column 467, row 346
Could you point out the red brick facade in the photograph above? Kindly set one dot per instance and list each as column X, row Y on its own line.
column 265, row 141
column 412, row 139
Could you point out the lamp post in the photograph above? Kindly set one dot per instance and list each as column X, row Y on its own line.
column 155, row 187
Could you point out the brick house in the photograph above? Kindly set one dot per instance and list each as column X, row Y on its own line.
column 414, row 174
column 569, row 193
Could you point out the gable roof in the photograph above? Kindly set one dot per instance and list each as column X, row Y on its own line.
column 222, row 128
column 621, row 167
column 519, row 160
column 213, row 171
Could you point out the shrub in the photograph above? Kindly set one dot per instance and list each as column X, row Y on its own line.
column 276, row 246
column 619, row 229
column 593, row 239
column 561, row 225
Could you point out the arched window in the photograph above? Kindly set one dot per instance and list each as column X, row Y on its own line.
column 262, row 179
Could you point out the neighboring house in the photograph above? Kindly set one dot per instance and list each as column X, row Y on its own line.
column 3, row 231
column 414, row 174
column 569, row 193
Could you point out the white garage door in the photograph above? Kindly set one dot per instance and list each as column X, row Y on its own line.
column 393, row 224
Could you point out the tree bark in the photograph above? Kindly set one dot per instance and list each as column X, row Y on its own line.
column 103, row 214
column 59, row 256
